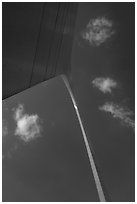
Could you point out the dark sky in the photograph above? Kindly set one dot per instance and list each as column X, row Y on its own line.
column 111, row 140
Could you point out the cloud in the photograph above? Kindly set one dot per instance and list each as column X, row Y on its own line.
column 28, row 127
column 123, row 114
column 104, row 84
column 98, row 31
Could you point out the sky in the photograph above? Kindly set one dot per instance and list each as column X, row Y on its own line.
column 44, row 155
column 42, row 121
column 102, row 79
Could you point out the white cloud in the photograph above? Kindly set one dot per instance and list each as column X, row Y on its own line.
column 18, row 112
column 104, row 84
column 28, row 127
column 98, row 31
column 123, row 114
